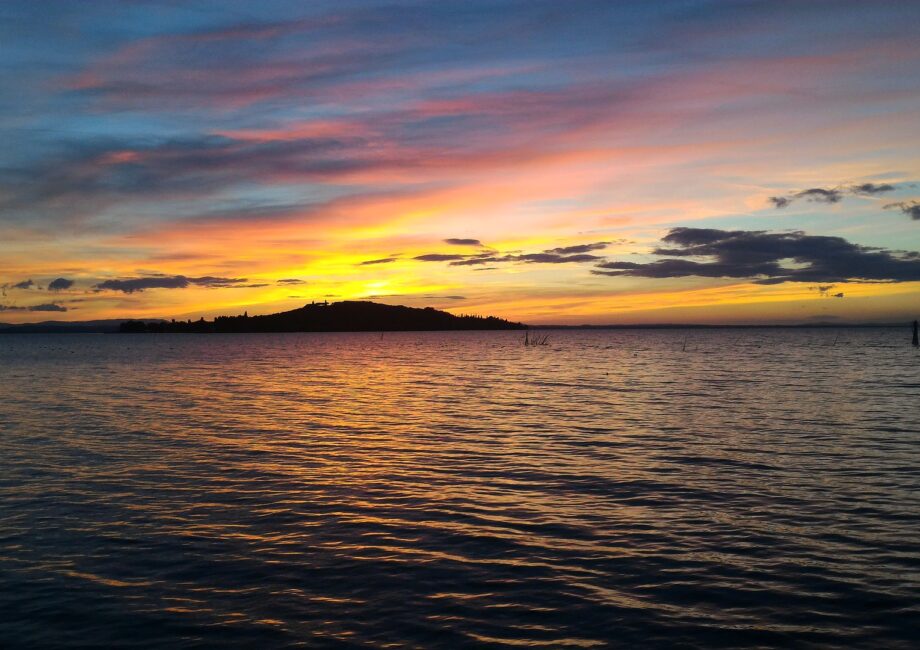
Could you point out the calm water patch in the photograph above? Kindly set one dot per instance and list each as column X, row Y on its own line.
column 610, row 489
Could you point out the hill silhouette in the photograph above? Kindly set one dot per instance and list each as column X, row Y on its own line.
column 346, row 316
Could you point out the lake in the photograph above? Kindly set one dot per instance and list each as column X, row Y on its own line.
column 614, row 488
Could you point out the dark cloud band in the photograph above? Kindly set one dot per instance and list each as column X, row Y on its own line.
column 133, row 285
column 45, row 307
column 762, row 257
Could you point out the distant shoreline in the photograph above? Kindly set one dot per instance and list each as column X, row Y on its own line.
column 700, row 326
column 367, row 316
column 39, row 328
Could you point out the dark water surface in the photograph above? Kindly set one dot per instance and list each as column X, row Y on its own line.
column 759, row 488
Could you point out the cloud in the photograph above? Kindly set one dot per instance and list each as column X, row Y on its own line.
column 552, row 258
column 48, row 307
column 25, row 284
column 44, row 307
column 779, row 201
column 453, row 241
column 132, row 285
column 910, row 208
column 831, row 195
column 527, row 258
column 563, row 255
column 76, row 180
column 820, row 195
column 763, row 258
column 250, row 62
column 476, row 260
column 60, row 284
column 872, row 189
column 439, row 257
column 385, row 260
column 85, row 178
column 221, row 283
column 824, row 290
column 326, row 56
column 582, row 248
column 291, row 281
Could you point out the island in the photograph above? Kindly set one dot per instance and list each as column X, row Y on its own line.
column 345, row 316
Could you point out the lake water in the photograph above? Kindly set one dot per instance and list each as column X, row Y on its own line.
column 623, row 488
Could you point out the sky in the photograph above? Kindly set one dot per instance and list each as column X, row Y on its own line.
column 680, row 161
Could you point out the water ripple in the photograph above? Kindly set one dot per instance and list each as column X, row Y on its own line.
column 615, row 489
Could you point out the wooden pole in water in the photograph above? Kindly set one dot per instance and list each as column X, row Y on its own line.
column 916, row 340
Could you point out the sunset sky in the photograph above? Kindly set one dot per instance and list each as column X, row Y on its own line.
column 546, row 161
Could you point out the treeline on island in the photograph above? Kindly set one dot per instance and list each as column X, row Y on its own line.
column 346, row 316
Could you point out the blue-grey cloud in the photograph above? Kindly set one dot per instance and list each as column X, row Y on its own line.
column 280, row 54
column 527, row 258
column 477, row 260
column 552, row 256
column 439, row 257
column 220, row 283
column 820, row 195
column 872, row 189
column 831, row 194
column 43, row 307
column 910, row 208
column 760, row 256
column 455, row 241
column 85, row 178
column 48, row 307
column 60, row 284
column 134, row 285
column 580, row 248
column 780, row 201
